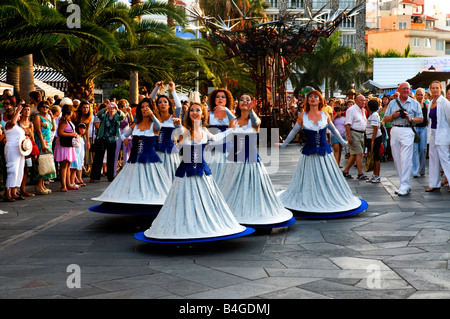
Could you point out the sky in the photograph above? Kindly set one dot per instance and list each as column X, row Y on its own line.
column 443, row 5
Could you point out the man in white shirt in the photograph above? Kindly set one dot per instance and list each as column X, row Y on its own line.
column 402, row 136
column 355, row 125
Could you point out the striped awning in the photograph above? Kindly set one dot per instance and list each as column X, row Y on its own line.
column 47, row 75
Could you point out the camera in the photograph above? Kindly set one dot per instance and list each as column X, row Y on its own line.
column 402, row 114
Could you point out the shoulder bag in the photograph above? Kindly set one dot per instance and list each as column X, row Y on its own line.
column 66, row 141
column 416, row 136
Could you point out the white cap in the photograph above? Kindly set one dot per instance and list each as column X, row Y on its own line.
column 65, row 101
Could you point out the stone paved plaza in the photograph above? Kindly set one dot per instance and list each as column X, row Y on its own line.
column 398, row 248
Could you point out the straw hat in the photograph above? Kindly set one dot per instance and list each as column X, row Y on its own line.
column 25, row 146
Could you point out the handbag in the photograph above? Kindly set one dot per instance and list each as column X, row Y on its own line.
column 76, row 142
column 46, row 164
column 416, row 136
column 369, row 162
column 67, row 141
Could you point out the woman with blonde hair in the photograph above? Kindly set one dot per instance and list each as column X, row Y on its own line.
column 419, row 157
column 438, row 116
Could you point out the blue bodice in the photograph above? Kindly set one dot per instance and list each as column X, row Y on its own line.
column 165, row 143
column 214, row 129
column 316, row 142
column 192, row 161
column 143, row 150
column 244, row 148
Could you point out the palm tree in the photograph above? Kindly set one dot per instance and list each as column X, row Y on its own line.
column 330, row 64
column 82, row 63
column 28, row 28
column 145, row 32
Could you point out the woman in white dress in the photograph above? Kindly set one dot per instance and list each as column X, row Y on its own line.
column 170, row 119
column 195, row 207
column 143, row 180
column 220, row 106
column 244, row 181
column 15, row 161
column 317, row 185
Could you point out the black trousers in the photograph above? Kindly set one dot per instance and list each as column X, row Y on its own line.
column 100, row 147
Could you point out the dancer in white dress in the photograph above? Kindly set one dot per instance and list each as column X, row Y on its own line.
column 170, row 119
column 317, row 185
column 143, row 180
column 195, row 207
column 220, row 105
column 244, row 181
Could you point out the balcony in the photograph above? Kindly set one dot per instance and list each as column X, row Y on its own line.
column 417, row 26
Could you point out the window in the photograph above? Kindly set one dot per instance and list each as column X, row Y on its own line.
column 402, row 25
column 296, row 4
column 447, row 22
column 416, row 42
column 348, row 40
column 317, row 4
column 427, row 43
column 274, row 3
column 343, row 4
column 440, row 45
column 348, row 23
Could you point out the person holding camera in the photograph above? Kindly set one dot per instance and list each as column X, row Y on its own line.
column 403, row 112
column 108, row 133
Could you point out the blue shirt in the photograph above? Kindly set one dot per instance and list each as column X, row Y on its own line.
column 411, row 106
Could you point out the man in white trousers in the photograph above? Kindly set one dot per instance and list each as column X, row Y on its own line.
column 402, row 135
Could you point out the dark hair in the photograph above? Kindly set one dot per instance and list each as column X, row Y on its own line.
column 80, row 125
column 212, row 99
column 337, row 109
column 35, row 95
column 11, row 99
column 373, row 105
column 139, row 117
column 238, row 110
column 42, row 103
column 171, row 111
column 79, row 116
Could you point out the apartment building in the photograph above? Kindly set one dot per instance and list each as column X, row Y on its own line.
column 396, row 24
column 352, row 30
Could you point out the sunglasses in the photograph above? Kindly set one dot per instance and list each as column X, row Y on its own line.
column 6, row 103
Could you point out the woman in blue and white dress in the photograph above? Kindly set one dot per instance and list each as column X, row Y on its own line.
column 170, row 119
column 317, row 185
column 245, row 183
column 144, row 179
column 220, row 106
column 195, row 207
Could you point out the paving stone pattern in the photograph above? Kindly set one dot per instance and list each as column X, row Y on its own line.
column 398, row 248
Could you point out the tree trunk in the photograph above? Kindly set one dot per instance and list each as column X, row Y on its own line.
column 134, row 75
column 170, row 21
column 26, row 78
column 13, row 78
column 134, row 87
column 81, row 90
